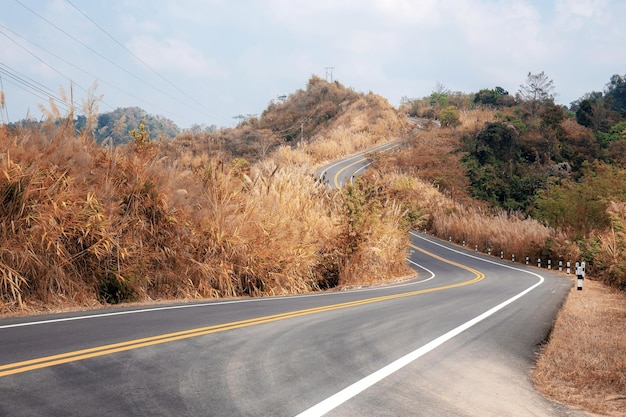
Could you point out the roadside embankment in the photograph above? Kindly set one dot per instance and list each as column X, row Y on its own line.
column 584, row 362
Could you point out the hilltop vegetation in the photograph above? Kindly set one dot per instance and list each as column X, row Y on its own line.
column 112, row 127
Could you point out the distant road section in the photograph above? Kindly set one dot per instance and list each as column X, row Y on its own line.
column 342, row 172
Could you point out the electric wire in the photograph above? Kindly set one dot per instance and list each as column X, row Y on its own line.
column 103, row 57
column 95, row 77
column 34, row 87
column 48, row 65
column 139, row 59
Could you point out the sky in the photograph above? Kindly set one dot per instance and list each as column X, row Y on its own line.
column 204, row 62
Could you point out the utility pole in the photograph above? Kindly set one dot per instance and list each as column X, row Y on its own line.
column 329, row 71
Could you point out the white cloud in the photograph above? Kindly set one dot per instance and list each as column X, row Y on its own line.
column 408, row 12
column 581, row 8
column 175, row 55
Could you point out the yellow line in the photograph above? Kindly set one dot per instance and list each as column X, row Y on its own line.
column 44, row 362
column 336, row 178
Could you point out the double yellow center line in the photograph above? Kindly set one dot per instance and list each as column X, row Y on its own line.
column 44, row 362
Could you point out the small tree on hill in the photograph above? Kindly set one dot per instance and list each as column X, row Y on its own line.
column 449, row 116
column 538, row 91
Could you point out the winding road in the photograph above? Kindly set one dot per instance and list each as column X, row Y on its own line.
column 457, row 341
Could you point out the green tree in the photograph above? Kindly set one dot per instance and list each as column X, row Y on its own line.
column 580, row 206
column 496, row 170
column 552, row 116
column 449, row 116
column 495, row 98
column 596, row 114
column 615, row 133
column 616, row 92
column 439, row 98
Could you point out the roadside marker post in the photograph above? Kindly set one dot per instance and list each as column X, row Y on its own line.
column 580, row 274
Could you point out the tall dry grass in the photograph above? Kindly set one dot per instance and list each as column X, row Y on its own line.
column 365, row 122
column 432, row 209
column 82, row 224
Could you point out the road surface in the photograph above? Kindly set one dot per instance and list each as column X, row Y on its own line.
column 344, row 171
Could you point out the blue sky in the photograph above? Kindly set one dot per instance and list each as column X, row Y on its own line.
column 206, row 61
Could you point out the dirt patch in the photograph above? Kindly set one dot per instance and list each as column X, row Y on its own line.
column 584, row 362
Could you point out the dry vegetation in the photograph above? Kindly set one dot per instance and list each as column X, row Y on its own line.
column 584, row 364
column 84, row 225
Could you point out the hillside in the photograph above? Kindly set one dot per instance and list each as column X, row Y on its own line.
column 529, row 159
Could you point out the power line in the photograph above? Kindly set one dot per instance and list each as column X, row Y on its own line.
column 102, row 56
column 30, row 85
column 45, row 63
column 95, row 77
column 137, row 57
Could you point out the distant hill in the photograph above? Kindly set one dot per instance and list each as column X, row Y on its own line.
column 117, row 124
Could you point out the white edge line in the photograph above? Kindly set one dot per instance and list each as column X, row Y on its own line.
column 351, row 391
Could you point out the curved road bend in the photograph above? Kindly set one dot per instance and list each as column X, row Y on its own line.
column 457, row 342
column 343, row 171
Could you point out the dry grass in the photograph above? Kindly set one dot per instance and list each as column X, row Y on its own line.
column 584, row 363
column 365, row 122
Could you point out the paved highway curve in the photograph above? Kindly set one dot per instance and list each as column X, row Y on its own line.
column 341, row 172
column 458, row 341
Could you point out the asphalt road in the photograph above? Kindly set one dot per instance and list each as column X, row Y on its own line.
column 344, row 171
column 457, row 341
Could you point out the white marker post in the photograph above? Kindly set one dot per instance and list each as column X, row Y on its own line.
column 580, row 274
